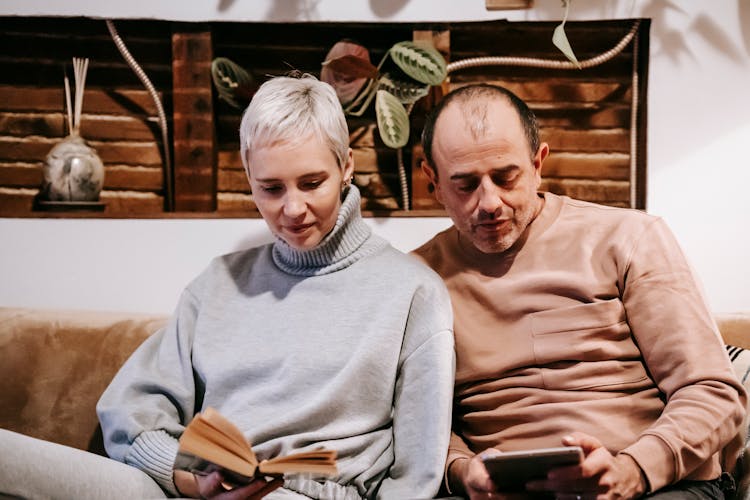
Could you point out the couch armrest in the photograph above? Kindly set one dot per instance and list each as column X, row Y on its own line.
column 55, row 365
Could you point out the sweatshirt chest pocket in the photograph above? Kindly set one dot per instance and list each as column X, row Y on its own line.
column 586, row 345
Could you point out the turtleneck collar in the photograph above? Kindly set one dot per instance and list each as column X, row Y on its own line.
column 340, row 248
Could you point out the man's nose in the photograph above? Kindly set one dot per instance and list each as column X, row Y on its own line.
column 490, row 200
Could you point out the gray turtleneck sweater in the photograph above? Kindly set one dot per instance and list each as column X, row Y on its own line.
column 348, row 346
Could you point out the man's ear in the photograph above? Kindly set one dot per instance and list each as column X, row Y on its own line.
column 434, row 187
column 541, row 155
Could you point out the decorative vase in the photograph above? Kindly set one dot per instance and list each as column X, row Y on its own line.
column 72, row 172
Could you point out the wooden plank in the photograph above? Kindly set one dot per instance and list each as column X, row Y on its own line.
column 40, row 99
column 49, row 72
column 564, row 91
column 14, row 202
column 599, row 191
column 134, row 178
column 192, row 102
column 58, row 45
column 233, row 180
column 607, row 140
column 131, row 203
column 615, row 70
column 115, row 176
column 235, row 202
column 23, row 124
column 92, row 126
column 35, row 149
column 586, row 116
column 229, row 159
column 21, row 175
column 613, row 166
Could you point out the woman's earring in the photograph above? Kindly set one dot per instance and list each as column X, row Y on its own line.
column 345, row 184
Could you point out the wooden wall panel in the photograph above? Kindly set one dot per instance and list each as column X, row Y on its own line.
column 585, row 115
column 118, row 117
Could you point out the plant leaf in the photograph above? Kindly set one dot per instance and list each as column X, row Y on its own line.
column 359, row 104
column 421, row 62
column 347, row 69
column 405, row 92
column 351, row 66
column 231, row 81
column 393, row 121
column 560, row 39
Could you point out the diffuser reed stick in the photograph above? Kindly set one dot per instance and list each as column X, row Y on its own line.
column 75, row 105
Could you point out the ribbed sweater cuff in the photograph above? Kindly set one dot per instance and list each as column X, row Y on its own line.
column 655, row 459
column 453, row 456
column 154, row 453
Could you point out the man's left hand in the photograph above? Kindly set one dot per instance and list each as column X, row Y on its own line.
column 601, row 475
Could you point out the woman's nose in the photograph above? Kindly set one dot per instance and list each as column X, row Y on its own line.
column 294, row 204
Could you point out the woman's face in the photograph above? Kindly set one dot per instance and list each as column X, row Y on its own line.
column 297, row 189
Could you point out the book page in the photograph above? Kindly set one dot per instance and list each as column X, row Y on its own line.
column 322, row 462
column 193, row 443
column 214, row 426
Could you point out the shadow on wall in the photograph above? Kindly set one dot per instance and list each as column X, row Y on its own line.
column 385, row 9
column 300, row 10
column 743, row 13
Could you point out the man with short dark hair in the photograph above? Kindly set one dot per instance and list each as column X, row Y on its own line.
column 575, row 323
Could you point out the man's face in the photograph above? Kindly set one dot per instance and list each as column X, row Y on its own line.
column 297, row 189
column 486, row 178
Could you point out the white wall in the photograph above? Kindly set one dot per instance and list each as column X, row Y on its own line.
column 699, row 172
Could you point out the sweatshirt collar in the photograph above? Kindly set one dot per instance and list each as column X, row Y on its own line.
column 339, row 249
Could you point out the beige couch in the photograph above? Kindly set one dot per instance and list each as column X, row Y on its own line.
column 54, row 365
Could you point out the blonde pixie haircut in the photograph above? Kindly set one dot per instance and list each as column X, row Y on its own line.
column 288, row 111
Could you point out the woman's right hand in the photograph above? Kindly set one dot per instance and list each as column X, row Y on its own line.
column 210, row 486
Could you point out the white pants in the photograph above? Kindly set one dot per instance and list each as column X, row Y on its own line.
column 35, row 469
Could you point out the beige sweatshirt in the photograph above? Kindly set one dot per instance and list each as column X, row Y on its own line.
column 592, row 322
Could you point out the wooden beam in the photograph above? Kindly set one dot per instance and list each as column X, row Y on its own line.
column 194, row 137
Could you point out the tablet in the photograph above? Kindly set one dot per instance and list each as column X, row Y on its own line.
column 511, row 470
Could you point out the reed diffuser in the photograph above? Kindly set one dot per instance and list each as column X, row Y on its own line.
column 73, row 171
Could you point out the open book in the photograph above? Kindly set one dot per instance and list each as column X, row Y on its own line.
column 211, row 442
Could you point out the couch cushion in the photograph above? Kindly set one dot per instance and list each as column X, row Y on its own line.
column 56, row 364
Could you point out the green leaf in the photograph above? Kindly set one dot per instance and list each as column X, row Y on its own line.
column 421, row 62
column 393, row 121
column 405, row 92
column 230, row 80
column 560, row 39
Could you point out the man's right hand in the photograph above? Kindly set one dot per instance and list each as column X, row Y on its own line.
column 470, row 477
